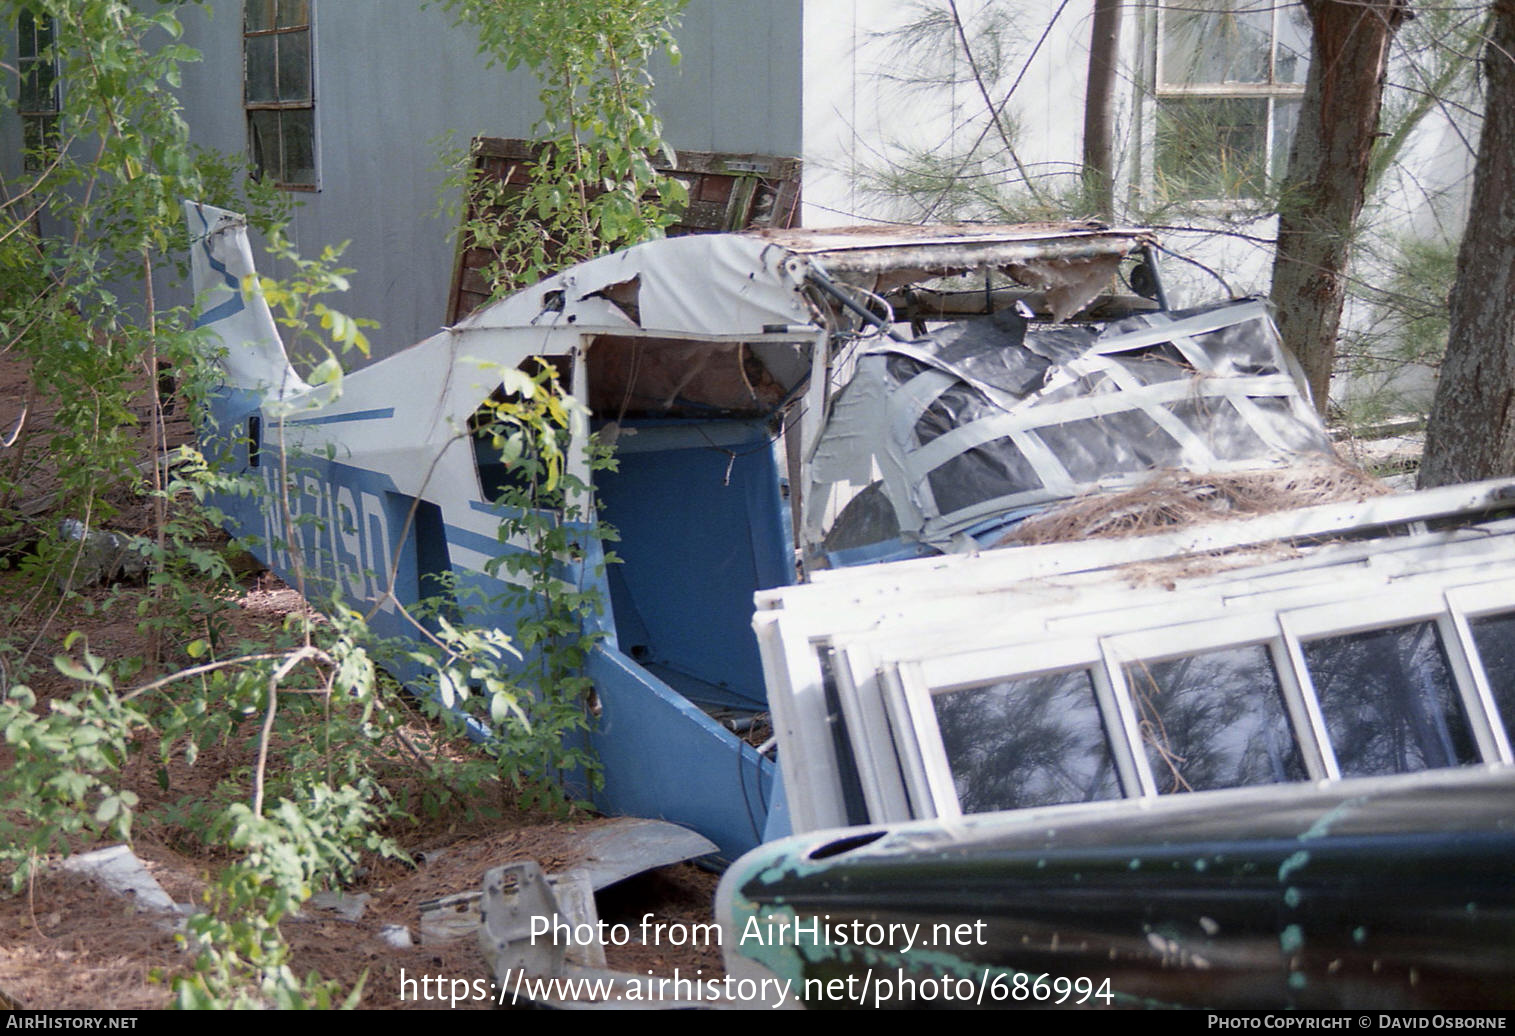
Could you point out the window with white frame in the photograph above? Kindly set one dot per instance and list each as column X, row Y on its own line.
column 279, row 91
column 39, row 102
column 1313, row 692
column 1230, row 75
column 1373, row 657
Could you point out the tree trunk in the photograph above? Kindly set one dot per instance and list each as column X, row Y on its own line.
column 1322, row 193
column 1099, row 107
column 1471, row 434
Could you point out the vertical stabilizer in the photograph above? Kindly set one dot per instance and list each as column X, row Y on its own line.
column 232, row 307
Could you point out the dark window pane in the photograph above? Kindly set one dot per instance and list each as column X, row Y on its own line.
column 1211, row 147
column 1033, row 741
column 263, row 144
column 299, row 147
column 1216, row 41
column 294, row 66
column 46, row 75
column 293, row 12
column 1389, row 702
column 1215, row 720
column 38, row 68
column 260, row 70
column 39, row 137
column 259, row 15
column 31, row 86
column 26, row 34
column 1495, row 637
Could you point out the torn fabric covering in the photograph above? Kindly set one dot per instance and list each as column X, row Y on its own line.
column 980, row 420
column 710, row 285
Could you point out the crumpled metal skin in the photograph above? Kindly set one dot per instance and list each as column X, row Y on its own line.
column 1387, row 894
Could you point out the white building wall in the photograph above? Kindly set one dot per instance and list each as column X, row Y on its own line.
column 856, row 120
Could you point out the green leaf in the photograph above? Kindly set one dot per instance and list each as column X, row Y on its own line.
column 71, row 669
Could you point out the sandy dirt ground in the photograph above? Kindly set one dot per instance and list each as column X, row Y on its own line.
column 66, row 942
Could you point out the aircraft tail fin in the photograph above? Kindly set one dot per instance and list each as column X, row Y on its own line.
column 232, row 307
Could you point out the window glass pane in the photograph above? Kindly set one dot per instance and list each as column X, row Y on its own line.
column 38, row 68
column 294, row 66
column 26, row 34
column 1216, row 41
column 31, row 86
column 1211, row 147
column 293, row 12
column 260, row 69
column 1215, row 720
column 1291, row 61
column 46, row 73
column 1389, row 702
column 259, row 15
column 1285, row 120
column 1032, row 741
column 263, row 144
column 39, row 136
column 1495, row 637
column 299, row 147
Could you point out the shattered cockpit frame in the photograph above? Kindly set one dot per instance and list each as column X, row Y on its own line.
column 728, row 369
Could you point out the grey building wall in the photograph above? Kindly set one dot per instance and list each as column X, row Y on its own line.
column 393, row 76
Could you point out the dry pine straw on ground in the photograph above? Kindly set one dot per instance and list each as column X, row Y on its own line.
column 67, row 943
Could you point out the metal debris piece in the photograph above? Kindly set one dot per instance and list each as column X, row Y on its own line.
column 548, row 928
column 452, row 917
column 575, row 895
column 119, row 869
column 350, row 907
column 104, row 557
column 449, row 917
column 396, row 936
column 518, row 908
column 611, row 852
column 632, row 845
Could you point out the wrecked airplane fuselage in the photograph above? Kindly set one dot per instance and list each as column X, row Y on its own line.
column 1157, row 768
column 1256, row 762
column 825, row 386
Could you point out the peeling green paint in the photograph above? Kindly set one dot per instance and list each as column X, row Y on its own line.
column 1292, row 897
column 1291, row 938
column 791, row 961
column 1322, row 825
column 1292, row 864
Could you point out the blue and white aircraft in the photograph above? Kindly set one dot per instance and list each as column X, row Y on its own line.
column 716, row 363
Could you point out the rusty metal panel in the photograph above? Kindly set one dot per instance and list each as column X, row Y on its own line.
column 726, row 192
